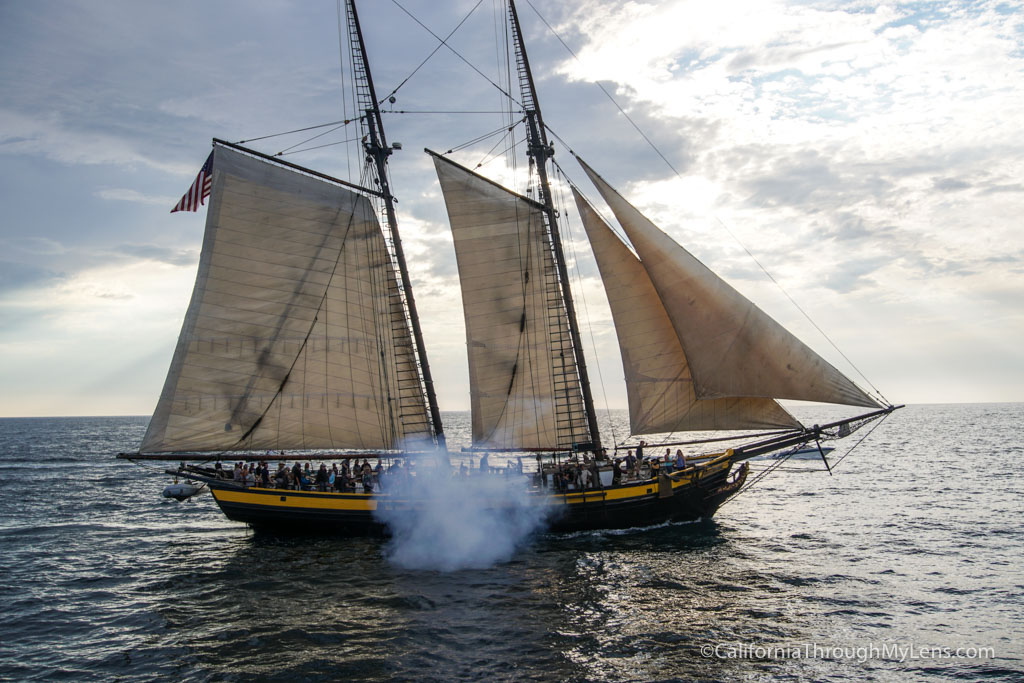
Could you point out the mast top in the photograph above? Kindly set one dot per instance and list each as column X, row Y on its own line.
column 377, row 151
column 540, row 151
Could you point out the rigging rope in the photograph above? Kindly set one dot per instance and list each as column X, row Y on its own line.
column 477, row 139
column 503, row 153
column 341, row 75
column 432, row 53
column 775, row 465
column 439, row 111
column 607, row 94
column 761, row 475
column 506, row 152
column 586, row 310
column 456, row 52
column 342, row 122
column 309, row 149
column 318, row 135
column 836, row 463
column 798, row 307
column 679, row 175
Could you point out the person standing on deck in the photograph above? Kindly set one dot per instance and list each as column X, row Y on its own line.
column 680, row 460
column 630, row 464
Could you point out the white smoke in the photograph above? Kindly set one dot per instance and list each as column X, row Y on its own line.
column 443, row 520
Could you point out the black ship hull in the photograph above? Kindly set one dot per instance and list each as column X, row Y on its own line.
column 687, row 496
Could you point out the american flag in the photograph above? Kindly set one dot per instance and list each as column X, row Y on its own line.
column 200, row 189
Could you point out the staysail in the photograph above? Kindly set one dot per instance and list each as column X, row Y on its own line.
column 733, row 349
column 524, row 386
column 659, row 386
column 295, row 336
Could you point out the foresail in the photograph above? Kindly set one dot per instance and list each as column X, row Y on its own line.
column 658, row 382
column 524, row 387
column 289, row 340
column 733, row 348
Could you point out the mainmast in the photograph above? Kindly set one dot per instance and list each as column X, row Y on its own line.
column 540, row 151
column 378, row 151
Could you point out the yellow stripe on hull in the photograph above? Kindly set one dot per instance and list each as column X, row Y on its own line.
column 368, row 502
column 309, row 499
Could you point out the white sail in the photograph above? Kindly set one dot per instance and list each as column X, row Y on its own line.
column 290, row 340
column 658, row 381
column 524, row 387
column 733, row 348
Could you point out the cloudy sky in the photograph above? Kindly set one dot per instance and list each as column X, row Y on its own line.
column 869, row 156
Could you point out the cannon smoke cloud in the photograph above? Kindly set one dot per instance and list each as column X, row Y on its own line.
column 442, row 521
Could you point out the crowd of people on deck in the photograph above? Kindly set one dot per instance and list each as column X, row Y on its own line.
column 572, row 475
column 585, row 475
column 346, row 478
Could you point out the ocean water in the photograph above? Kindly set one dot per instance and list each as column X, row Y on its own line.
column 907, row 564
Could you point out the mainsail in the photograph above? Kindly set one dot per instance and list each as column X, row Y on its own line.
column 524, row 386
column 731, row 347
column 295, row 336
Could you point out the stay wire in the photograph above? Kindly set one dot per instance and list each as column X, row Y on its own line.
column 456, row 53
column 319, row 135
column 612, row 225
column 679, row 175
column 343, row 122
column 308, row 149
column 479, row 138
column 503, row 68
column 799, row 308
column 439, row 111
column 778, row 463
column 432, row 53
column 568, row 180
column 586, row 310
column 761, row 475
column 876, row 425
column 606, row 93
column 487, row 156
column 341, row 74
column 505, row 152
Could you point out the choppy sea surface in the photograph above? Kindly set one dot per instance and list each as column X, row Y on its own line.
column 907, row 564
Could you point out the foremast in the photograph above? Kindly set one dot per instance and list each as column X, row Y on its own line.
column 539, row 151
column 377, row 151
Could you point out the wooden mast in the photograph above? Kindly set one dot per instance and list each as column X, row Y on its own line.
column 377, row 149
column 540, row 151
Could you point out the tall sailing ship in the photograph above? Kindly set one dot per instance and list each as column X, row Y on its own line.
column 302, row 336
